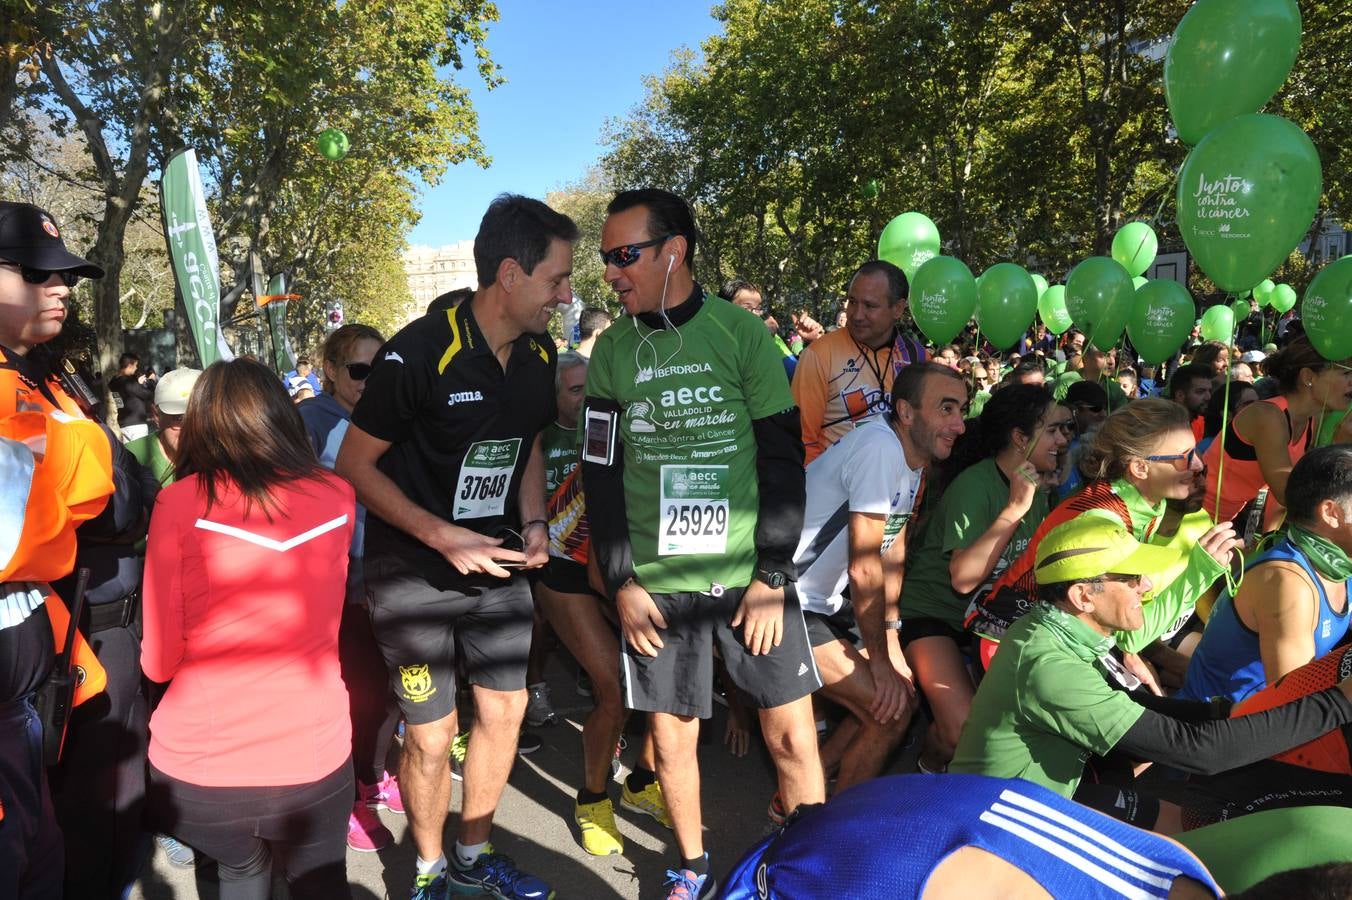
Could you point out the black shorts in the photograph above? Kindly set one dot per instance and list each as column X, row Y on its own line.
column 564, row 576
column 420, row 629
column 824, row 629
column 915, row 629
column 680, row 679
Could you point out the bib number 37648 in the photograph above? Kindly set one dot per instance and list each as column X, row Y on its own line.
column 485, row 476
column 693, row 507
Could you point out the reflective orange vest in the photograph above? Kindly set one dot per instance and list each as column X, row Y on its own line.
column 72, row 479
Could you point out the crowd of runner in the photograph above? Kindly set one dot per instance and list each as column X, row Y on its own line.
column 1106, row 602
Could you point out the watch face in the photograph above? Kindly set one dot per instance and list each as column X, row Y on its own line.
column 774, row 579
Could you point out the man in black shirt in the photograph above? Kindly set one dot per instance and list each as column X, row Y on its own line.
column 134, row 392
column 444, row 453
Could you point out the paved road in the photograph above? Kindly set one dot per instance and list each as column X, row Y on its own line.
column 534, row 823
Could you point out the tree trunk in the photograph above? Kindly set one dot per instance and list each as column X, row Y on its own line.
column 108, row 253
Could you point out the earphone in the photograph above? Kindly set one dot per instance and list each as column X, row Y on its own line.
column 671, row 262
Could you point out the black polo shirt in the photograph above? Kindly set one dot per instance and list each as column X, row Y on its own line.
column 460, row 428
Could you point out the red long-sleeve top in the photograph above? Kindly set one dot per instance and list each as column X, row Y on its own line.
column 241, row 618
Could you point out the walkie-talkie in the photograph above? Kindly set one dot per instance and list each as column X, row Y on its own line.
column 75, row 386
column 56, row 696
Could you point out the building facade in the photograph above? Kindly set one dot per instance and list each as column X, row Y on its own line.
column 432, row 271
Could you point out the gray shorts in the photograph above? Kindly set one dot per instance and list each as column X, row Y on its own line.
column 680, row 679
column 422, row 630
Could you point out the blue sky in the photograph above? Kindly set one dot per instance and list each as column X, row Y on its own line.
column 569, row 66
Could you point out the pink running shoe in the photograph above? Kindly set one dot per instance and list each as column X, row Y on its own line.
column 365, row 833
column 384, row 794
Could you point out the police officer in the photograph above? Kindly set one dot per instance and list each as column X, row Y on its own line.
column 99, row 786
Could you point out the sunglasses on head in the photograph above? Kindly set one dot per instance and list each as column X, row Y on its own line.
column 41, row 276
column 357, row 371
column 625, row 256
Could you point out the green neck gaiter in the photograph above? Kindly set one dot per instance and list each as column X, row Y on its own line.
column 1328, row 558
column 1083, row 641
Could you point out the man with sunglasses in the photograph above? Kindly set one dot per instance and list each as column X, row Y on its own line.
column 692, row 462
column 1056, row 693
column 99, row 785
column 444, row 452
column 37, row 273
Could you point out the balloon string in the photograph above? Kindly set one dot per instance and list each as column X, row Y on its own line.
column 1231, row 583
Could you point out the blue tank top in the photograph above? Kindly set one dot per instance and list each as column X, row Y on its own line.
column 885, row 838
column 1228, row 661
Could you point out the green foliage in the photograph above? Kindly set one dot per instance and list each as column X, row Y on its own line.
column 249, row 86
column 1029, row 131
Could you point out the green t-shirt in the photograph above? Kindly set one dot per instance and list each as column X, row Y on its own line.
column 688, row 398
column 972, row 502
column 559, row 446
column 1042, row 709
column 150, row 454
column 1244, row 851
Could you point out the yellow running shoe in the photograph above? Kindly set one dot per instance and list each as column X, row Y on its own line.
column 596, row 822
column 648, row 801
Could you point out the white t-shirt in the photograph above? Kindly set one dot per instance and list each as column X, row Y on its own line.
column 864, row 472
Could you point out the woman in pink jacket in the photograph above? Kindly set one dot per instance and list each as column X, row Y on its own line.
column 244, row 584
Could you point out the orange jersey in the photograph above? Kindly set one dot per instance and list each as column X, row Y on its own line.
column 839, row 381
column 1329, row 753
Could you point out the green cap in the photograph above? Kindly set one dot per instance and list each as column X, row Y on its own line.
column 1092, row 545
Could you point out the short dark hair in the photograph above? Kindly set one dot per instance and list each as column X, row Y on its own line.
column 1325, row 473
column 898, row 288
column 302, row 360
column 734, row 286
column 519, row 228
column 909, row 383
column 668, row 215
column 592, row 320
column 127, row 359
column 449, row 300
column 1184, row 376
column 1330, row 881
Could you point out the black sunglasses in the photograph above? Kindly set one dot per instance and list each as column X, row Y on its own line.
column 41, row 276
column 625, row 256
column 357, row 371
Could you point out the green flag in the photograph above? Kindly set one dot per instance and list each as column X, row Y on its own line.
column 282, row 354
column 192, row 249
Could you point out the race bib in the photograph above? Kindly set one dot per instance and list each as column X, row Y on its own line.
column 694, row 510
column 485, row 475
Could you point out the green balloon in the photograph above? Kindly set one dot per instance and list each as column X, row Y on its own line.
column 1138, row 282
column 1041, row 285
column 1282, row 298
column 909, row 241
column 1051, row 306
column 943, row 298
column 1242, row 309
column 1099, row 297
column 1218, row 324
column 332, row 143
column 1246, row 196
column 1227, row 58
column 1162, row 315
column 1262, row 292
column 1134, row 247
column 1006, row 299
column 1327, row 310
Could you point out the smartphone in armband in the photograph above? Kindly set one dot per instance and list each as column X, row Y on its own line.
column 598, row 443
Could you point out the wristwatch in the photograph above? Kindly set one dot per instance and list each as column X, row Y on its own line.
column 772, row 577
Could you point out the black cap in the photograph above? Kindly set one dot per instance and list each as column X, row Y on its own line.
column 1090, row 392
column 29, row 237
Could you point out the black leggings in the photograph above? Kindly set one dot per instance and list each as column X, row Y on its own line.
column 370, row 701
column 241, row 827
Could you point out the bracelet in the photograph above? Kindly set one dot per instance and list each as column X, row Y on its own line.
column 533, row 522
column 892, row 624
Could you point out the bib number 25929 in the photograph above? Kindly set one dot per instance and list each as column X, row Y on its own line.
column 693, row 507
